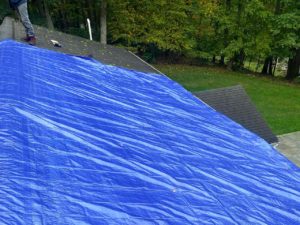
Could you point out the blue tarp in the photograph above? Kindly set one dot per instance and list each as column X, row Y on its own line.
column 86, row 143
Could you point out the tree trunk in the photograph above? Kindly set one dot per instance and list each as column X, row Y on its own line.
column 270, row 69
column 278, row 7
column 237, row 61
column 222, row 60
column 40, row 7
column 48, row 16
column 226, row 32
column 241, row 59
column 103, row 29
column 249, row 63
column 275, row 66
column 293, row 66
column 268, row 64
column 64, row 23
column 230, row 64
column 91, row 14
column 213, row 59
column 267, row 68
column 257, row 65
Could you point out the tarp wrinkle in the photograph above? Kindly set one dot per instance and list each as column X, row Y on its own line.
column 82, row 142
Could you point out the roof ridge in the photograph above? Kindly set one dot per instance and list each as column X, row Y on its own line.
column 75, row 45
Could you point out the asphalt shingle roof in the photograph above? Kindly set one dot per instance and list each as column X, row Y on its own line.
column 107, row 54
column 237, row 105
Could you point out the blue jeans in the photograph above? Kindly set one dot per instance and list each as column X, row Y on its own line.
column 23, row 12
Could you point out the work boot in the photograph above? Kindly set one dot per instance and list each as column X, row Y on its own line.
column 31, row 40
column 26, row 39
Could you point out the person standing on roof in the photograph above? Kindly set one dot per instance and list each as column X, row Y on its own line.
column 21, row 7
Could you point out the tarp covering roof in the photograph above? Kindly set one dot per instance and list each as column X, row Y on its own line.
column 86, row 143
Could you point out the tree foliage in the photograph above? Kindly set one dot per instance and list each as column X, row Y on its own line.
column 228, row 30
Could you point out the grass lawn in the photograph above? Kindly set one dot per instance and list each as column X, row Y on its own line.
column 277, row 101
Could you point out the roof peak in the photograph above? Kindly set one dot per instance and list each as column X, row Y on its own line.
column 74, row 45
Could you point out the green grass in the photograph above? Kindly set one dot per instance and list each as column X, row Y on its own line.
column 278, row 101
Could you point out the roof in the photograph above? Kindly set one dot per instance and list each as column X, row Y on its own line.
column 12, row 29
column 86, row 143
column 244, row 111
column 237, row 105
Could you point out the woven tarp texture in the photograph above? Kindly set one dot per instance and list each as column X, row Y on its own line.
column 86, row 143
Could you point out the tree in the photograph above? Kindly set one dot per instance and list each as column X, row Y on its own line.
column 233, row 29
column 294, row 66
column 229, row 30
column 285, row 32
column 48, row 16
column 154, row 26
column 103, row 13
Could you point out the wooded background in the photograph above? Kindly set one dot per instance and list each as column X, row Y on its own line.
column 224, row 32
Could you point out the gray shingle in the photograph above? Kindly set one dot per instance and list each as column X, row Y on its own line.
column 236, row 104
column 111, row 55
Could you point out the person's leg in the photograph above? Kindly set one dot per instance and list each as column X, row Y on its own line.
column 23, row 11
